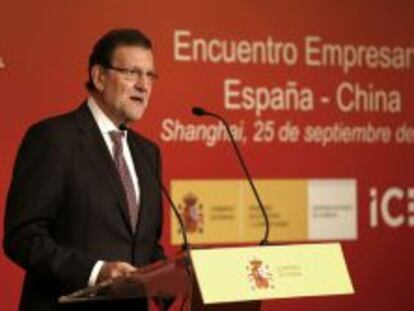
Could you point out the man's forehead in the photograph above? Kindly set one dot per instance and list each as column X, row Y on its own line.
column 133, row 54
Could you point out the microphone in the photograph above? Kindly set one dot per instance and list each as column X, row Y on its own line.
column 186, row 245
column 200, row 112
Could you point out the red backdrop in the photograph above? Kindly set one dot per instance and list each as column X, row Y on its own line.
column 44, row 48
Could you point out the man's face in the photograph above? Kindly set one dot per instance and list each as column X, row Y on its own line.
column 125, row 87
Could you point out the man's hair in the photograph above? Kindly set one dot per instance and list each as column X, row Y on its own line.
column 103, row 50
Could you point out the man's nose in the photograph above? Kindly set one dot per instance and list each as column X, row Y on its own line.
column 142, row 83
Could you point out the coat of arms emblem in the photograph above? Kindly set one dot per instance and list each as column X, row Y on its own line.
column 192, row 214
column 259, row 275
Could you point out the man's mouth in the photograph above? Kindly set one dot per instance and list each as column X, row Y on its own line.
column 137, row 99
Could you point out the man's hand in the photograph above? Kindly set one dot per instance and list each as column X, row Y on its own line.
column 114, row 269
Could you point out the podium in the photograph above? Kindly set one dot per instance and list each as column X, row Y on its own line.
column 170, row 278
column 233, row 278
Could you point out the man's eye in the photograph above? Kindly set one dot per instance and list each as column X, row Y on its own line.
column 152, row 76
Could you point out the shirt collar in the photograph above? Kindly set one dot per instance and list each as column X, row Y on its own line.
column 104, row 123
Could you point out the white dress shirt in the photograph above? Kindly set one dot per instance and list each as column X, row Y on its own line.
column 105, row 126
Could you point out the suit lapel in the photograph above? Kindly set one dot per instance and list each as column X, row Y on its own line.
column 96, row 150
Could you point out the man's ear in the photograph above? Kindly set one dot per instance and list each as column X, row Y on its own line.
column 98, row 77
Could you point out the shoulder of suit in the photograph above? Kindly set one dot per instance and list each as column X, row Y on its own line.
column 57, row 128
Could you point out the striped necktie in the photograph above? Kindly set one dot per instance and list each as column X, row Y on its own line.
column 125, row 175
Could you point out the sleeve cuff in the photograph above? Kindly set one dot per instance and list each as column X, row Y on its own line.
column 95, row 272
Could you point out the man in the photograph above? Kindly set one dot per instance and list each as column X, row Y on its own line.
column 84, row 203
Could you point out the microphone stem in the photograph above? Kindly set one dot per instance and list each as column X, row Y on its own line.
column 249, row 178
column 185, row 246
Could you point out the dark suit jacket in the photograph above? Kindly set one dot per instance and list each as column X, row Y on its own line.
column 66, row 207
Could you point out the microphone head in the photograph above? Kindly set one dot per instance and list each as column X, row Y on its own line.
column 198, row 111
column 122, row 127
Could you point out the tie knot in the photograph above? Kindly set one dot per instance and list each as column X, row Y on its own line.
column 117, row 136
